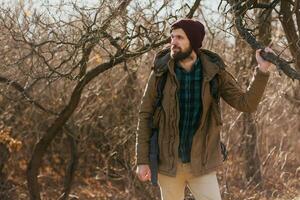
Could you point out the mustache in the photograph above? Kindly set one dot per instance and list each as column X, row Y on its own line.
column 175, row 47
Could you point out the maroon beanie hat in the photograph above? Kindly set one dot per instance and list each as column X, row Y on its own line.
column 193, row 29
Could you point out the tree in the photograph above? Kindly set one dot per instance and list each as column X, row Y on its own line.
column 250, row 132
column 57, row 50
column 240, row 8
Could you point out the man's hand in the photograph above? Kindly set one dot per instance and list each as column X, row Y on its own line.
column 143, row 172
column 263, row 65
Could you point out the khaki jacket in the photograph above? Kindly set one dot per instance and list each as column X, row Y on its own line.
column 206, row 151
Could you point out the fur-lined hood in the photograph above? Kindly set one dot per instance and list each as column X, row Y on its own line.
column 163, row 58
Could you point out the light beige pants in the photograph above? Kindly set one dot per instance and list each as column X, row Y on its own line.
column 204, row 187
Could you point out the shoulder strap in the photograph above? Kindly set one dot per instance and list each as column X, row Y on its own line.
column 214, row 88
column 160, row 87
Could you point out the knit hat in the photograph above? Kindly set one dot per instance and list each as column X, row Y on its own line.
column 193, row 29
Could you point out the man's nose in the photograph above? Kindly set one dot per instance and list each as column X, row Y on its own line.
column 173, row 41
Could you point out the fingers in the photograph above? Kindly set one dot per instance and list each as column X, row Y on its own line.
column 148, row 176
column 145, row 176
column 144, row 173
column 269, row 50
column 257, row 54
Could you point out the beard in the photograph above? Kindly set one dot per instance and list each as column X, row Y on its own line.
column 181, row 55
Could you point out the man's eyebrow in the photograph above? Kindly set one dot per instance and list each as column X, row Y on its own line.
column 175, row 35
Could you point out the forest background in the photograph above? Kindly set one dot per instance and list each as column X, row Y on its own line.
column 72, row 74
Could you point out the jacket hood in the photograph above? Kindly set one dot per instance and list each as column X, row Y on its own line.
column 211, row 61
column 161, row 60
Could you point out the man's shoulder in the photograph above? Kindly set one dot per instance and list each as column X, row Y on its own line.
column 162, row 57
column 213, row 57
column 160, row 64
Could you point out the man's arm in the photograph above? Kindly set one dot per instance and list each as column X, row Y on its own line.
column 144, row 130
column 249, row 100
column 145, row 116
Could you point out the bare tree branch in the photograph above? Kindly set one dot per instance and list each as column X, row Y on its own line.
column 70, row 171
column 239, row 11
column 55, row 49
column 193, row 9
column 19, row 88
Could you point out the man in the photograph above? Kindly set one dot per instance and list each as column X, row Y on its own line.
column 190, row 120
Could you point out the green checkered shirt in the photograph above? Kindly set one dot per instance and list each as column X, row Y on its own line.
column 190, row 104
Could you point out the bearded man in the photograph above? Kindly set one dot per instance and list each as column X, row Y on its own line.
column 189, row 121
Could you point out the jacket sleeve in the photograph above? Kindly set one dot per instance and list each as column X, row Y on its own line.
column 247, row 101
column 146, row 110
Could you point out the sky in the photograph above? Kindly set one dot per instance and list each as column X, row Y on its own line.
column 210, row 10
column 212, row 4
column 210, row 7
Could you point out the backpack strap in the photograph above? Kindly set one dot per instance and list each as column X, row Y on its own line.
column 160, row 87
column 157, row 103
column 214, row 88
column 154, row 147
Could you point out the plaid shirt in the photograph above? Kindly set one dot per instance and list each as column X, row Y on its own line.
column 190, row 104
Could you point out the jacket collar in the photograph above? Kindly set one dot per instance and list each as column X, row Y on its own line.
column 211, row 63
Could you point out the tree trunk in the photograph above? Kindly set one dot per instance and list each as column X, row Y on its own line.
column 248, row 126
column 252, row 161
column 290, row 21
column 250, row 132
column 4, row 156
column 253, row 172
column 4, row 152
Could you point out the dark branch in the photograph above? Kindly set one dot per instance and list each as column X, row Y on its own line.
column 239, row 11
column 19, row 88
column 42, row 145
column 193, row 9
column 70, row 171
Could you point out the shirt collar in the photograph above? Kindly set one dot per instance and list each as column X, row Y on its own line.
column 195, row 66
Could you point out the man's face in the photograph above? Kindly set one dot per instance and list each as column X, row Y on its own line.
column 180, row 45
